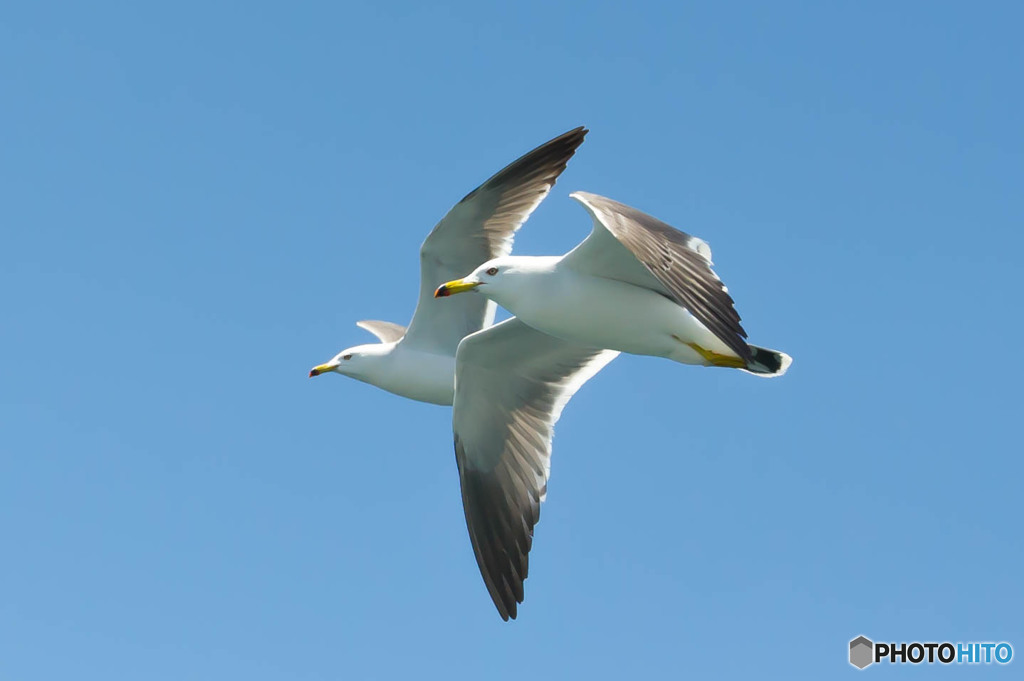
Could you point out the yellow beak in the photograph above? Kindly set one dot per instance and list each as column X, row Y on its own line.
column 453, row 287
column 322, row 369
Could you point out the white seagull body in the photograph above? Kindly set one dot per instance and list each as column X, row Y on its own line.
column 634, row 285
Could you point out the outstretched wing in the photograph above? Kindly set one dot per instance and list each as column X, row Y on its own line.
column 510, row 387
column 387, row 332
column 476, row 229
column 633, row 247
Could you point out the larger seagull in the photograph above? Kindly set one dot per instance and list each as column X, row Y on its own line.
column 513, row 381
column 635, row 285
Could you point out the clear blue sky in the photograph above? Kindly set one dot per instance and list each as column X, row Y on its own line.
column 197, row 202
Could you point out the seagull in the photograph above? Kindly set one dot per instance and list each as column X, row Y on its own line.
column 635, row 284
column 508, row 383
column 418, row 362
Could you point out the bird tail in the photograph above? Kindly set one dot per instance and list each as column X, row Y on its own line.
column 767, row 363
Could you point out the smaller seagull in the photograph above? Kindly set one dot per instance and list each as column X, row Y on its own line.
column 419, row 362
column 635, row 285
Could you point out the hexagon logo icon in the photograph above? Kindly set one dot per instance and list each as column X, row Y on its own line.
column 862, row 652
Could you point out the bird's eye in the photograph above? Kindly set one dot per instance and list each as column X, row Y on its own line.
column 346, row 356
column 492, row 271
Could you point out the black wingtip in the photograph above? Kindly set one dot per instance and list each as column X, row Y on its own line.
column 501, row 547
column 580, row 130
column 771, row 360
column 576, row 135
column 545, row 161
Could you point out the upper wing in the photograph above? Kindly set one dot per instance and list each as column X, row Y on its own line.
column 631, row 246
column 387, row 332
column 510, row 387
column 476, row 229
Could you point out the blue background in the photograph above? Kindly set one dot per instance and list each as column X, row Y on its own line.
column 197, row 202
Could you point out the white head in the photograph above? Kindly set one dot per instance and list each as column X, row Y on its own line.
column 358, row 361
column 499, row 279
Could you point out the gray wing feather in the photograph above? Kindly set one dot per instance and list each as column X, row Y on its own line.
column 512, row 383
column 629, row 245
column 387, row 332
column 478, row 228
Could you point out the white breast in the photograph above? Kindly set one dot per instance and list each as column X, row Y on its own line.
column 606, row 313
column 419, row 376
